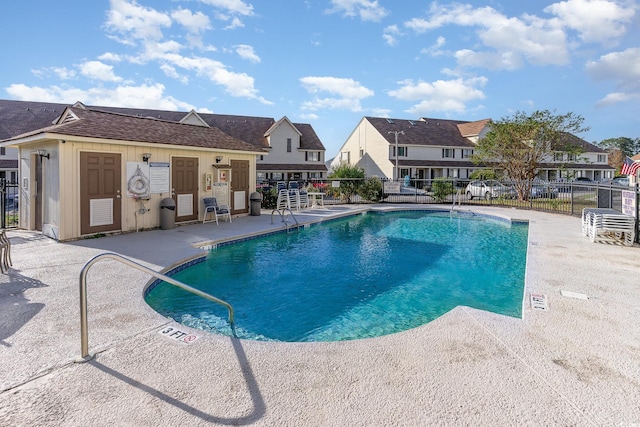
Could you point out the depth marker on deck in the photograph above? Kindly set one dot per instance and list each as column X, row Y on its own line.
column 178, row 335
column 539, row 302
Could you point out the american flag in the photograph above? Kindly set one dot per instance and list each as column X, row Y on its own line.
column 629, row 167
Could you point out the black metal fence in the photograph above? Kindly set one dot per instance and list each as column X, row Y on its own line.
column 563, row 197
column 9, row 201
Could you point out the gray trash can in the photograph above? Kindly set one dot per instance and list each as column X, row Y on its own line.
column 167, row 213
column 256, row 203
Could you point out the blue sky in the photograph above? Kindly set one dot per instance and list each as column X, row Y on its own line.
column 331, row 62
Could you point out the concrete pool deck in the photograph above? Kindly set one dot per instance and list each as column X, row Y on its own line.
column 578, row 363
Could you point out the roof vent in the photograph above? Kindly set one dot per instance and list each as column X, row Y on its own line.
column 390, row 121
column 412, row 123
column 69, row 117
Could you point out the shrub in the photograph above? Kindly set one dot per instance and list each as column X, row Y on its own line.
column 351, row 177
column 441, row 188
column 371, row 190
column 484, row 174
column 269, row 198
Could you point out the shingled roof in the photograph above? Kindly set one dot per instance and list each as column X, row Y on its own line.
column 81, row 122
column 571, row 140
column 246, row 128
column 435, row 132
column 18, row 117
column 309, row 140
column 472, row 128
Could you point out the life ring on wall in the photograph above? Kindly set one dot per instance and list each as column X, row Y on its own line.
column 138, row 184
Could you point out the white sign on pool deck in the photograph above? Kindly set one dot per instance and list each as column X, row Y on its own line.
column 176, row 334
column 539, row 302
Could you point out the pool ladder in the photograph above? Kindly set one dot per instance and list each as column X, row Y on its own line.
column 84, row 331
column 456, row 198
column 284, row 216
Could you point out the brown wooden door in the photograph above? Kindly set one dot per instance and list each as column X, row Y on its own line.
column 239, row 186
column 100, row 196
column 184, row 181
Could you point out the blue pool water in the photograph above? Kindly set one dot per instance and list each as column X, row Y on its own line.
column 363, row 276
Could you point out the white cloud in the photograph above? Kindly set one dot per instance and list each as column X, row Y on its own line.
column 97, row 70
column 234, row 6
column 381, row 112
column 109, row 56
column 623, row 68
column 366, row 10
column 236, row 84
column 309, row 116
column 142, row 27
column 39, row 73
column 441, row 95
column 143, row 96
column 170, row 71
column 435, row 49
column 193, row 22
column 594, row 20
column 512, row 42
column 235, row 23
column 64, row 73
column 348, row 93
column 135, row 21
column 617, row 97
column 390, row 35
column 246, row 52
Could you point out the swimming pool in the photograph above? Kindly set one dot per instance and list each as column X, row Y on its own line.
column 362, row 276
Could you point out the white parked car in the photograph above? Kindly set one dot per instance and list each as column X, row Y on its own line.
column 623, row 181
column 488, row 189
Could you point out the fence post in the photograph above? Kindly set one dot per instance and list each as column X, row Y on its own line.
column 3, row 202
column 571, row 197
column 636, row 188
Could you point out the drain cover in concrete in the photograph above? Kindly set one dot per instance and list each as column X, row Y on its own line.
column 573, row 295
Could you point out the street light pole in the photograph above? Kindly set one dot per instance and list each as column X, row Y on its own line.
column 396, row 132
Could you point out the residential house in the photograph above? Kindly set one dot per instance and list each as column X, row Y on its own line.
column 294, row 151
column 95, row 171
column 428, row 148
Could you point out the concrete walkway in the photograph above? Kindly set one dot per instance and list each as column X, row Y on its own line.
column 576, row 364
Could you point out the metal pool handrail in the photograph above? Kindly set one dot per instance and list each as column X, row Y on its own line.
column 84, row 330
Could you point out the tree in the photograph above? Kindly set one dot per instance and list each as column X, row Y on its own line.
column 619, row 148
column 628, row 146
column 519, row 144
column 350, row 178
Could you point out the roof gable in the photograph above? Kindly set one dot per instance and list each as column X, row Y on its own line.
column 192, row 118
column 66, row 117
column 472, row 128
column 284, row 119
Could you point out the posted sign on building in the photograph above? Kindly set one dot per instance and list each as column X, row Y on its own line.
column 629, row 203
